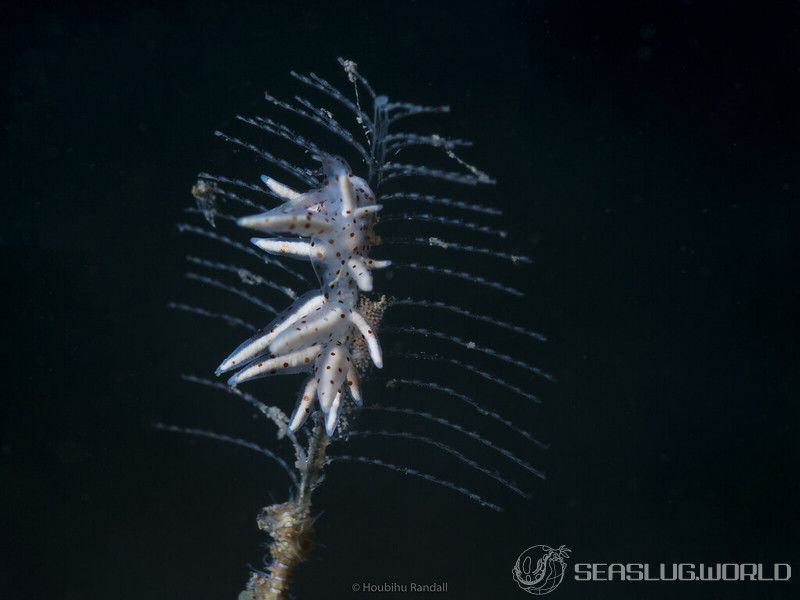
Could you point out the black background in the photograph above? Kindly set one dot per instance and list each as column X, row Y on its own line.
column 647, row 154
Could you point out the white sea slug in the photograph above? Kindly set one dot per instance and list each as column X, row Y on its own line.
column 317, row 333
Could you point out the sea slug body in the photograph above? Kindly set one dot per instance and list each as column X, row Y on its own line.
column 317, row 334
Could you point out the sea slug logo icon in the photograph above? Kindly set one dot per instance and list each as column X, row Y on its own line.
column 547, row 573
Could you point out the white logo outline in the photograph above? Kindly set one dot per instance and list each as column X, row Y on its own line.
column 548, row 573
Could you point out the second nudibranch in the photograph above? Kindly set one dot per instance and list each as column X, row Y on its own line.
column 317, row 333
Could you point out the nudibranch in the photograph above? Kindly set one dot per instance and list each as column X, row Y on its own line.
column 333, row 228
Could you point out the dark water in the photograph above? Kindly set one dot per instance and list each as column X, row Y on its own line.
column 647, row 157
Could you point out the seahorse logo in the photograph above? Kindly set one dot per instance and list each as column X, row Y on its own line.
column 548, row 573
